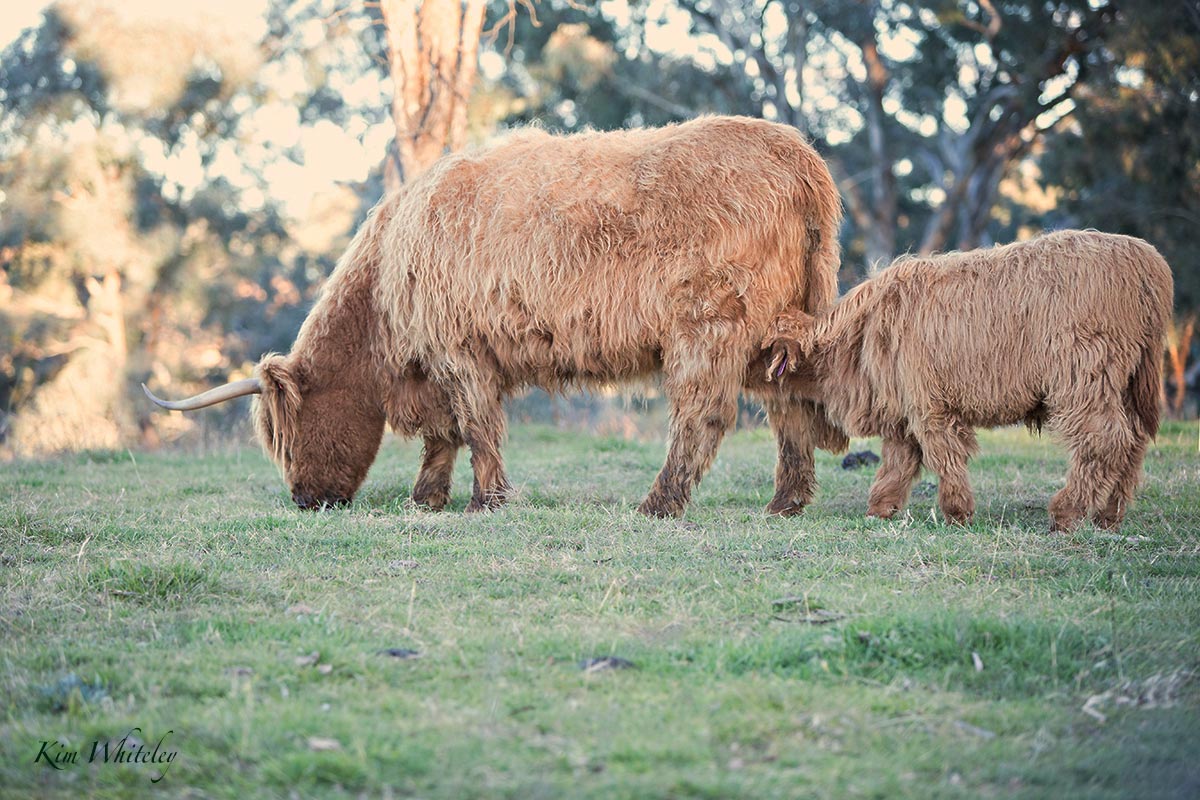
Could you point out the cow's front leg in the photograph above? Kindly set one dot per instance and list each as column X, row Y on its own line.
column 1126, row 484
column 432, row 487
column 475, row 395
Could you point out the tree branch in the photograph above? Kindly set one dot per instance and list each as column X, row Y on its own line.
column 658, row 101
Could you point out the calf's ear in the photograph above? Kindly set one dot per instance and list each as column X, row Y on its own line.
column 793, row 324
column 788, row 342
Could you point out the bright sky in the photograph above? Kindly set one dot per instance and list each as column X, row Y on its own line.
column 265, row 130
column 244, row 15
column 329, row 154
column 19, row 15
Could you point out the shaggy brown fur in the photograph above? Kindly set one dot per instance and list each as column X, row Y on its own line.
column 554, row 262
column 1066, row 329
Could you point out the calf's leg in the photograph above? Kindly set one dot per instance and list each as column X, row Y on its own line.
column 1102, row 474
column 947, row 445
column 1113, row 513
column 893, row 483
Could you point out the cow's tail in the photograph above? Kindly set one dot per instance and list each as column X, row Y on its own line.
column 822, row 261
column 823, row 257
column 1145, row 387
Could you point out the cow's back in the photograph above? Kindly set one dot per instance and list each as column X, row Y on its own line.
column 583, row 257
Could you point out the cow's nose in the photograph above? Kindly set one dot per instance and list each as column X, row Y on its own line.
column 310, row 502
column 304, row 500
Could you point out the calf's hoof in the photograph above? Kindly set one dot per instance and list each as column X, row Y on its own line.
column 785, row 507
column 958, row 516
column 882, row 510
column 488, row 502
column 661, row 507
column 431, row 499
column 1064, row 523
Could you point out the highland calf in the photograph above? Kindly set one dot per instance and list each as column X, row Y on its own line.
column 1064, row 330
column 555, row 262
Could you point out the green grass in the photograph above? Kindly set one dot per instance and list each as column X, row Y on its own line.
column 825, row 656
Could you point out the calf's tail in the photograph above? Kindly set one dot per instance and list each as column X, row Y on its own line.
column 1145, row 387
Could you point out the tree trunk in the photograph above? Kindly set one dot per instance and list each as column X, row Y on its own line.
column 881, row 236
column 1179, row 344
column 433, row 48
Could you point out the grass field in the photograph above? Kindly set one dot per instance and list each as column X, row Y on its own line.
column 825, row 656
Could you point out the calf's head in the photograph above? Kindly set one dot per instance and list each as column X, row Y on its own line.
column 788, row 354
column 321, row 430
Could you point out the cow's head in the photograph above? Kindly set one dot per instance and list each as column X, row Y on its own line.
column 320, row 430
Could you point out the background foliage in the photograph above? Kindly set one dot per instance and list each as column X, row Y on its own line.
column 174, row 188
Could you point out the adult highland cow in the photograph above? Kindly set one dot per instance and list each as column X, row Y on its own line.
column 1065, row 330
column 559, row 261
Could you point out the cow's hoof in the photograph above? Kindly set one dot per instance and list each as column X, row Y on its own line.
column 1110, row 517
column 957, row 516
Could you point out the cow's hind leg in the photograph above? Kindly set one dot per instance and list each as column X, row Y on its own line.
column 947, row 445
column 475, row 396
column 702, row 391
column 432, row 487
column 799, row 427
column 1106, row 458
column 893, row 483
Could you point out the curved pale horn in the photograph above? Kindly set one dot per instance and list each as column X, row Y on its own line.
column 211, row 397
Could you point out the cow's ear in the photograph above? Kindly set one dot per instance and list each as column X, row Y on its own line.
column 279, row 406
column 274, row 373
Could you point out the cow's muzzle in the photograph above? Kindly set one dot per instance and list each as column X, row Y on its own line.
column 310, row 502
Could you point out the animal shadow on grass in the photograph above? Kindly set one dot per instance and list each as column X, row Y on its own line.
column 845, row 496
column 842, row 496
column 397, row 499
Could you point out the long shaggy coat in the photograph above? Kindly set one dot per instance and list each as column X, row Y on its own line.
column 558, row 261
column 1064, row 330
